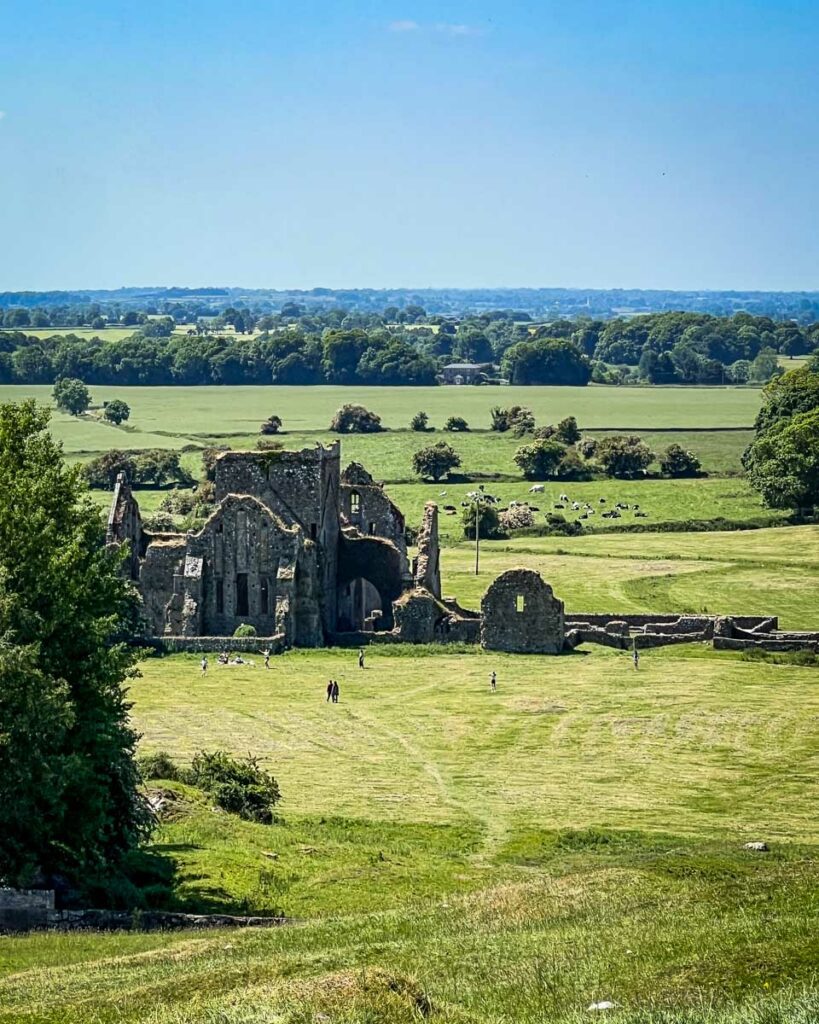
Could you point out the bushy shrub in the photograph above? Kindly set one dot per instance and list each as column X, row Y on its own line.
column 272, row 425
column 160, row 765
column 625, row 457
column 178, row 503
column 677, row 462
column 419, row 422
column 244, row 629
column 159, row 522
column 560, row 526
column 587, row 447
column 238, row 786
column 539, row 460
column 101, row 472
column 457, row 424
column 568, row 431
column 517, row 517
column 355, row 419
column 435, row 461
column 545, row 432
column 267, row 444
column 518, row 419
column 209, row 457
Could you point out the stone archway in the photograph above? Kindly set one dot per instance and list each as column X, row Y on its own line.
column 376, row 561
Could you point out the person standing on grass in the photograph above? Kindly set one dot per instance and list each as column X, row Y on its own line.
column 329, row 691
column 204, row 665
column 266, row 659
column 335, row 691
column 636, row 658
column 361, row 657
column 493, row 681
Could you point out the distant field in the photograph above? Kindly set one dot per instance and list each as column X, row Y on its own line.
column 104, row 333
column 201, row 412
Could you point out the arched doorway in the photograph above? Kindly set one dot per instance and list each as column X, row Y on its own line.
column 369, row 579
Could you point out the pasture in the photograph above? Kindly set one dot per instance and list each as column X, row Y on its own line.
column 456, row 855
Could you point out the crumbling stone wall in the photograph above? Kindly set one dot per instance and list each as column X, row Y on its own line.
column 520, row 614
column 124, row 525
column 366, row 506
column 427, row 568
column 24, row 910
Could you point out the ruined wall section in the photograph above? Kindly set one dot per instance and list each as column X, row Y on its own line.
column 520, row 614
column 427, row 567
column 366, row 506
column 163, row 562
column 124, row 525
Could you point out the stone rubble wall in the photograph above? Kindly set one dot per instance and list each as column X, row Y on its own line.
column 428, row 563
column 521, row 615
column 217, row 644
column 726, row 643
column 582, row 619
column 151, row 921
column 25, row 910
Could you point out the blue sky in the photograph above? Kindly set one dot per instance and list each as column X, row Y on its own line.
column 271, row 144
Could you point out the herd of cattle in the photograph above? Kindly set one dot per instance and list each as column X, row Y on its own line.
column 564, row 503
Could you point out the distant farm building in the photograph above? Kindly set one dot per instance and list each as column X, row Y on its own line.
column 466, row 373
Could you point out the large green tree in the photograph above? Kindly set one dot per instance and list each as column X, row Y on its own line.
column 546, row 361
column 783, row 463
column 69, row 798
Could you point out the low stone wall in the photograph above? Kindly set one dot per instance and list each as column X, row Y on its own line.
column 217, row 644
column 643, row 641
column 25, row 910
column 727, row 643
column 151, row 921
column 595, row 635
column 579, row 619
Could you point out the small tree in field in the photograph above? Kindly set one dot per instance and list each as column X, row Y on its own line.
column 678, row 462
column 489, row 524
column 71, row 395
column 116, row 411
column 456, row 424
column 435, row 461
column 420, row 422
column 272, row 425
column 355, row 419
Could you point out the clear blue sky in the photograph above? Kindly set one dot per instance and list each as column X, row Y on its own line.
column 293, row 144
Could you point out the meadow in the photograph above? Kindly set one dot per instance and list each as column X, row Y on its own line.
column 452, row 854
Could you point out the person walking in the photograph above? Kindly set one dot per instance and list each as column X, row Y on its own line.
column 266, row 659
column 493, row 681
column 636, row 659
column 335, row 691
column 361, row 657
column 204, row 665
column 329, row 691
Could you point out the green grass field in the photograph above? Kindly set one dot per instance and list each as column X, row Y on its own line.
column 457, row 855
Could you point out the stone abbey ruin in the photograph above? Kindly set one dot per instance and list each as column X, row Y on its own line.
column 310, row 555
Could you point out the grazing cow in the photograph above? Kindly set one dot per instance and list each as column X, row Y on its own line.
column 584, row 515
column 635, row 507
column 641, row 515
column 534, row 508
column 558, row 505
column 575, row 506
column 564, row 497
column 536, row 489
column 602, row 501
column 449, row 508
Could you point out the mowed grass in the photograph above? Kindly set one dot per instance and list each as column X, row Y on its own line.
column 461, row 855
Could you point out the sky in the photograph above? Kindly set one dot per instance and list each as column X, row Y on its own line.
column 587, row 143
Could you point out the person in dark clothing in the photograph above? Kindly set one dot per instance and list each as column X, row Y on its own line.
column 361, row 657
column 329, row 691
column 335, row 691
column 493, row 682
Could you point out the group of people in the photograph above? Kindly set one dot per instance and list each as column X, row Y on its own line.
column 226, row 659
column 333, row 691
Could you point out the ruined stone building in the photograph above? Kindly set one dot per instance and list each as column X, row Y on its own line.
column 294, row 547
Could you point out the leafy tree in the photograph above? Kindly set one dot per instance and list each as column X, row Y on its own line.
column 420, row 422
column 209, row 457
column 546, row 361
column 540, row 460
column 355, row 419
column 342, row 352
column 159, row 466
column 69, row 798
column 71, row 395
column 489, row 525
column 272, row 425
column 456, row 424
column 567, row 431
column 101, row 472
column 436, row 461
column 765, row 366
column 622, row 456
column 396, row 363
column 783, row 462
column 796, row 391
column 739, row 372
column 587, row 447
column 116, row 411
column 677, row 462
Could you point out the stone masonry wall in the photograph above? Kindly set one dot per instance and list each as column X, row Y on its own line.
column 520, row 614
column 23, row 910
column 427, row 569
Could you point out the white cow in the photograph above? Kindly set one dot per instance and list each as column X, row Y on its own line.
column 536, row 489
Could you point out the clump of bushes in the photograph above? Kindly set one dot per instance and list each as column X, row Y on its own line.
column 238, row 786
column 517, row 517
column 489, row 523
column 518, row 419
column 116, row 411
column 244, row 629
column 355, row 419
column 678, row 462
column 456, row 424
